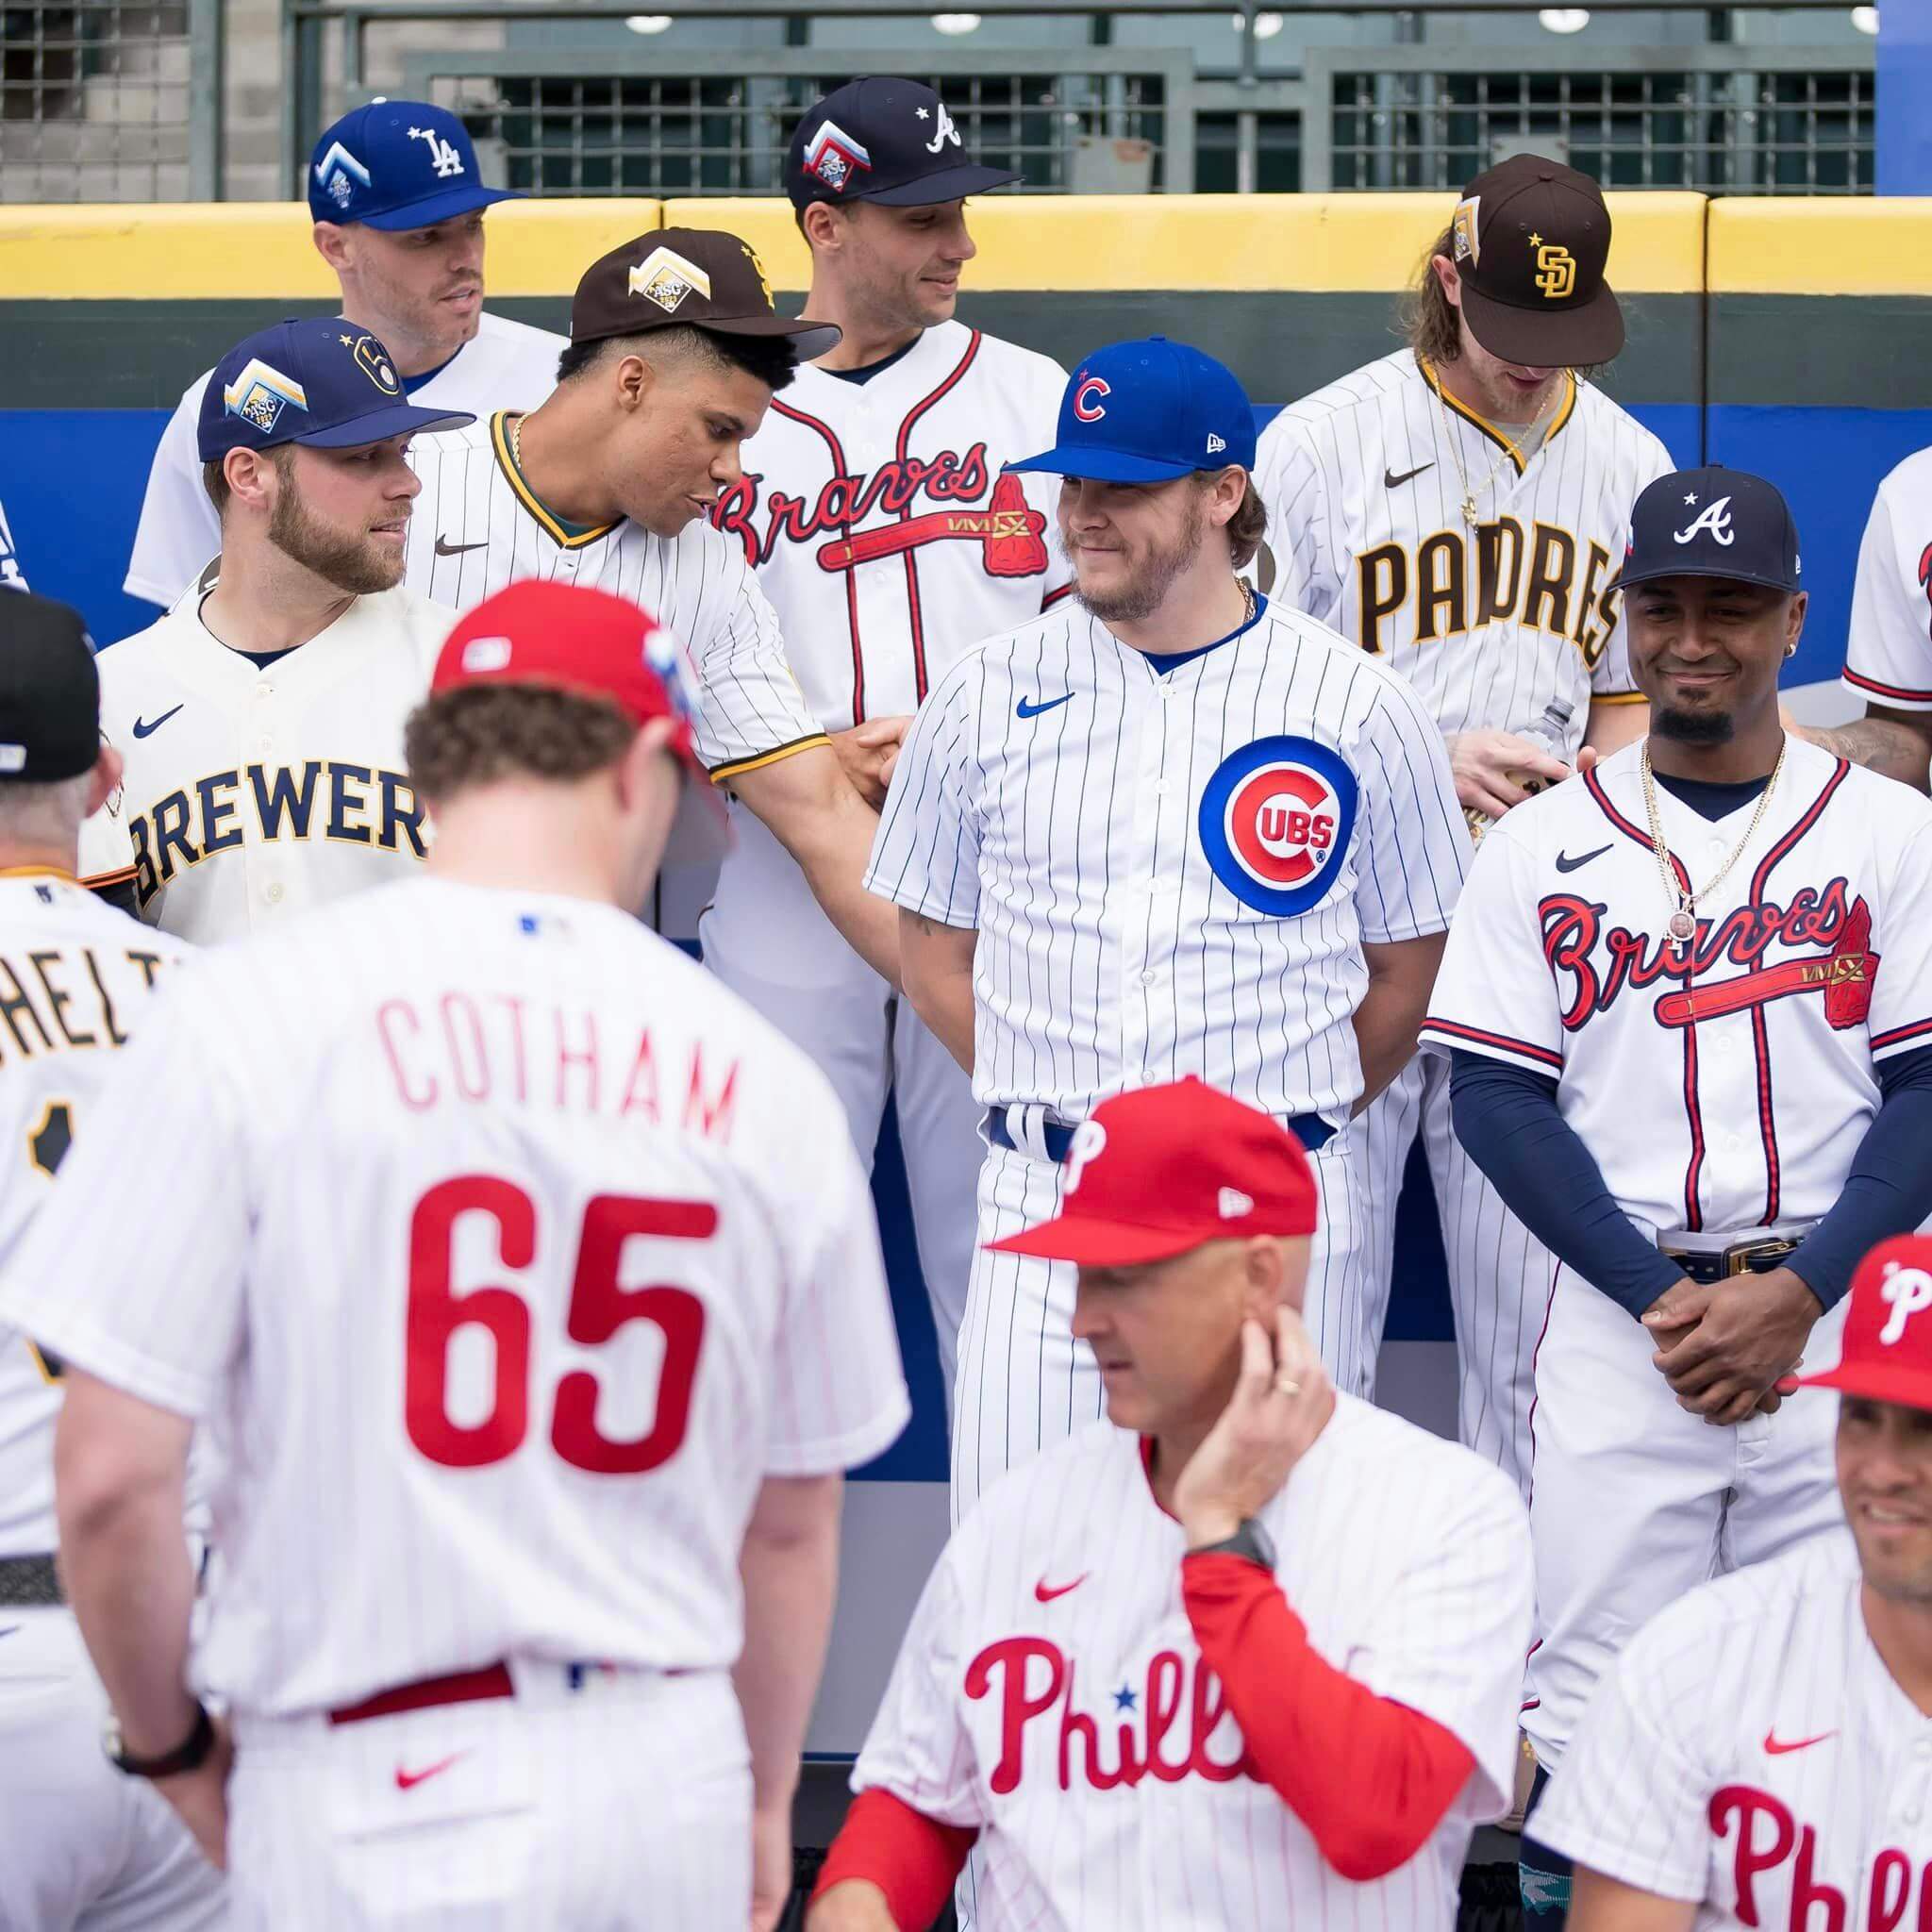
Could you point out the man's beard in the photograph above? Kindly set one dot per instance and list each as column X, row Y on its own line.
column 350, row 563
column 1694, row 727
column 1144, row 593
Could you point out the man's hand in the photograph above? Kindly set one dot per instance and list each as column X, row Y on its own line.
column 1725, row 1345
column 855, row 1905
column 771, row 1866
column 1279, row 1406
column 200, row 1797
column 869, row 753
column 1482, row 763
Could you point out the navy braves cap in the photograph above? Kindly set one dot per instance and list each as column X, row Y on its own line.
column 886, row 140
column 50, row 691
column 1147, row 411
column 1713, row 523
column 397, row 164
column 322, row 381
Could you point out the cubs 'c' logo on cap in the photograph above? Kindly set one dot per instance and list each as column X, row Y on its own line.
column 665, row 278
column 340, row 174
column 1087, row 404
column 260, row 394
column 1909, row 1293
column 1556, row 269
column 1715, row 517
column 834, row 157
column 1462, row 231
column 373, row 363
column 1275, row 819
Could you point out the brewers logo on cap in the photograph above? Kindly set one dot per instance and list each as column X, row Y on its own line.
column 834, row 157
column 665, row 278
column 1275, row 819
column 260, row 394
column 372, row 359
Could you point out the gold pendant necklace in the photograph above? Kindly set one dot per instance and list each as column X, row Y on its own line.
column 1471, row 492
column 1682, row 924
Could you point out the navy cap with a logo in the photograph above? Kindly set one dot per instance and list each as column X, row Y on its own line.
column 885, row 141
column 50, row 691
column 320, row 381
column 1713, row 523
column 1148, row 411
column 397, row 164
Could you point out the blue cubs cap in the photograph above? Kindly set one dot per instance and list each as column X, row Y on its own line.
column 396, row 164
column 1148, row 411
column 322, row 381
column 1713, row 523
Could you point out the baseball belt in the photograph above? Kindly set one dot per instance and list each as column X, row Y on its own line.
column 1057, row 1136
column 1741, row 1257
column 29, row 1583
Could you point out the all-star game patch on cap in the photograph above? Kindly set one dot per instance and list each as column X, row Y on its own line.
column 1530, row 240
column 397, row 164
column 1713, row 523
column 696, row 278
column 50, row 691
column 883, row 140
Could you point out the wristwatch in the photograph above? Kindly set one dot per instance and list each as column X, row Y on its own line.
column 1251, row 1542
column 187, row 1755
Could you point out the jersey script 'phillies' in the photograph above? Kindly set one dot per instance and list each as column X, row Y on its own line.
column 254, row 790
column 1751, row 1751
column 579, row 1243
column 1888, row 653
column 1051, row 1694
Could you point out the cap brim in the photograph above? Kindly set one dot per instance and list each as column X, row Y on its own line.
column 1578, row 338
column 400, row 419
column 1909, row 1388
column 1677, row 567
column 1099, row 1243
column 929, row 190
column 1103, row 465
column 811, row 340
column 438, row 208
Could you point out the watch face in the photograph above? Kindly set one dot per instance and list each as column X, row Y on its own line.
column 111, row 1736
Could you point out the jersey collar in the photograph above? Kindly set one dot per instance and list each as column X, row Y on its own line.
column 1565, row 409
column 37, row 872
column 566, row 536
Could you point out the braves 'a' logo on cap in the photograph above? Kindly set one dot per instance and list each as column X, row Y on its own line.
column 1087, row 404
column 666, row 277
column 373, row 360
column 1275, row 819
column 1715, row 517
column 946, row 132
column 261, row 393
column 1089, row 1140
column 340, row 174
column 1908, row 1292
column 834, row 157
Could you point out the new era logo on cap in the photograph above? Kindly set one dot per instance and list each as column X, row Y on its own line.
column 482, row 656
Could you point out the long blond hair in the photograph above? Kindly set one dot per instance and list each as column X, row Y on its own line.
column 1428, row 317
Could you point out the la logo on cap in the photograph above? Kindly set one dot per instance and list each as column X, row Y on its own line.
column 1907, row 1291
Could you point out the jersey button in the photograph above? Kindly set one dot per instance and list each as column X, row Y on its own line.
column 264, row 690
column 273, row 896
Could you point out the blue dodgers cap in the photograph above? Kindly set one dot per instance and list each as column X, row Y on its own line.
column 397, row 164
column 1147, row 411
column 1713, row 523
column 322, row 381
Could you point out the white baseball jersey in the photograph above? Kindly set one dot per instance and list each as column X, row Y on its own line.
column 476, row 528
column 1889, row 656
column 1748, row 1060
column 1172, row 872
column 254, row 790
column 75, row 979
column 1051, row 1693
column 506, row 1252
column 1751, row 1751
column 505, row 365
column 1490, row 624
column 11, row 576
column 881, row 527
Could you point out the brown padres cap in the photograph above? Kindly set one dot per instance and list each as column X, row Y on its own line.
column 1530, row 240
column 687, row 278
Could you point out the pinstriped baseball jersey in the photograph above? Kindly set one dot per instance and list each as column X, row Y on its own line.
column 1050, row 1693
column 1889, row 656
column 1172, row 874
column 11, row 576
column 1489, row 624
column 578, row 1242
column 1751, row 1751
column 476, row 526
column 1748, row 1059
column 75, row 979
column 881, row 527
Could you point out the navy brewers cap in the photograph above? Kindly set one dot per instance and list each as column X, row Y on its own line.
column 1713, row 523
column 1148, row 411
column 50, row 691
column 886, row 140
column 322, row 381
column 397, row 164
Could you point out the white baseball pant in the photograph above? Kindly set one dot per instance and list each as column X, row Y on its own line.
column 82, row 1848
column 618, row 1803
column 1635, row 1501
column 766, row 937
column 1025, row 1382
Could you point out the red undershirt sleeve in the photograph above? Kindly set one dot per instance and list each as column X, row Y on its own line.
column 913, row 1859
column 1370, row 1778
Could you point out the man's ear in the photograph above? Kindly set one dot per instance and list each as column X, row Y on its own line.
column 333, row 244
column 636, row 769
column 1450, row 277
column 637, row 377
column 248, row 472
column 102, row 780
column 1794, row 620
column 823, row 226
column 1262, row 1273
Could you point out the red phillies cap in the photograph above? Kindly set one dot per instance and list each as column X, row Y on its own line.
column 1158, row 1171
column 1887, row 1352
column 569, row 637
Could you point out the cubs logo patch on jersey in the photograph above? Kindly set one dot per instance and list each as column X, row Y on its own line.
column 1276, row 818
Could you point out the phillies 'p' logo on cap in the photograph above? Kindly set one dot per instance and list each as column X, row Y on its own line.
column 1887, row 1354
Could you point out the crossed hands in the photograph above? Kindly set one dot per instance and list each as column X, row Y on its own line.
column 1730, row 1349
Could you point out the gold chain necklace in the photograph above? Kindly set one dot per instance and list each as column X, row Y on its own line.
column 516, row 444
column 1471, row 492
column 1682, row 925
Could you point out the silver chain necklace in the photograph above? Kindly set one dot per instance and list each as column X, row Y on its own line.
column 1682, row 924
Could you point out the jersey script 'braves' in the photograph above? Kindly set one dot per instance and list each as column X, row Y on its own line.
column 1052, row 1696
column 505, row 365
column 1889, row 656
column 476, row 526
column 1752, row 1752
column 256, row 789
column 1170, row 872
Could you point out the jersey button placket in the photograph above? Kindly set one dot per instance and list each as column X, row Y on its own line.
column 1152, row 835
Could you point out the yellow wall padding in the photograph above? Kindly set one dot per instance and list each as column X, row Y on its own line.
column 1832, row 245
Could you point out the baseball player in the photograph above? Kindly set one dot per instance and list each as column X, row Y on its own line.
column 260, row 720
column 11, row 576
column 578, row 1250
column 79, row 1847
column 675, row 354
column 874, row 507
column 1170, row 828
column 1692, row 1048
column 1460, row 507
column 1290, row 1624
column 398, row 200
column 1759, row 1755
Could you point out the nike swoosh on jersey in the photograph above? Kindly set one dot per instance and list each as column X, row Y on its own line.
column 1029, row 709
column 1565, row 863
column 445, row 548
column 1390, row 479
column 1045, row 1592
column 408, row 1780
column 1774, row 1748
column 142, row 728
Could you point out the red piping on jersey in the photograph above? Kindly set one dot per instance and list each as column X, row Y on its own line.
column 1053, row 597
column 1900, row 1034
column 826, row 429
column 912, row 416
column 1886, row 691
column 1456, row 1031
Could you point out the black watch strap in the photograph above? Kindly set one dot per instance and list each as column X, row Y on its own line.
column 1250, row 1541
column 187, row 1755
